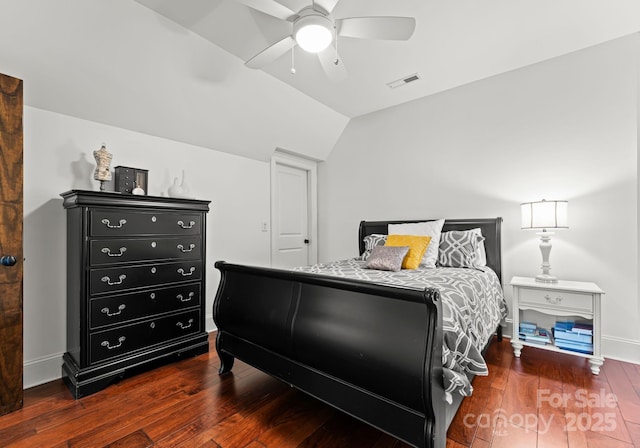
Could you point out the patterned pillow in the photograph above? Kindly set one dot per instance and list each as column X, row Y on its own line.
column 459, row 249
column 370, row 241
column 386, row 258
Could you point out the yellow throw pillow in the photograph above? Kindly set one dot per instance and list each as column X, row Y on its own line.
column 417, row 248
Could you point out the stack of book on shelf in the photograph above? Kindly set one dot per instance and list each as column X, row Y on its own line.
column 574, row 336
column 530, row 332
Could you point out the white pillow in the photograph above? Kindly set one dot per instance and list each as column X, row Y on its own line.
column 426, row 228
column 481, row 253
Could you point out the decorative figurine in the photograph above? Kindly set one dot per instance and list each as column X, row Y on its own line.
column 103, row 160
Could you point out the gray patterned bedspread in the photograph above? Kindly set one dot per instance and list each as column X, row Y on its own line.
column 472, row 306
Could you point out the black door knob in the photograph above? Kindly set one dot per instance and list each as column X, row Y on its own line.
column 8, row 260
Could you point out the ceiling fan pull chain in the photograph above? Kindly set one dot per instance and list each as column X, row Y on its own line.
column 335, row 37
column 293, row 60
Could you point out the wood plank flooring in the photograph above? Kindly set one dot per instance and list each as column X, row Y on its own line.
column 543, row 399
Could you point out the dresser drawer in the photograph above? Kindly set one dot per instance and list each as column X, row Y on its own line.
column 560, row 300
column 115, row 222
column 121, row 278
column 110, row 251
column 126, row 339
column 122, row 308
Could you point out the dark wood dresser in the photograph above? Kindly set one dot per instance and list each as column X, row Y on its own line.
column 135, row 285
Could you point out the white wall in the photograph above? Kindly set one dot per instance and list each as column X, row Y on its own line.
column 120, row 63
column 117, row 72
column 561, row 129
column 58, row 156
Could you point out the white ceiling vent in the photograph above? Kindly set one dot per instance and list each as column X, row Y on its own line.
column 403, row 81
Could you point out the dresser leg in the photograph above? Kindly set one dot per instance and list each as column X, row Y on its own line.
column 517, row 347
column 595, row 365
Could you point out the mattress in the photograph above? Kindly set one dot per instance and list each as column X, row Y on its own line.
column 473, row 305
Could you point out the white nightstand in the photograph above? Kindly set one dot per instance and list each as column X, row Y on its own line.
column 565, row 300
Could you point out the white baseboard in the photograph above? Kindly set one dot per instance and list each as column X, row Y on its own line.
column 42, row 370
column 622, row 349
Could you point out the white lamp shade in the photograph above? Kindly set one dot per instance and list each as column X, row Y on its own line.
column 544, row 215
column 313, row 33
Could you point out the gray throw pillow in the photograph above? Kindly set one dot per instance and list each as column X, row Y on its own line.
column 386, row 258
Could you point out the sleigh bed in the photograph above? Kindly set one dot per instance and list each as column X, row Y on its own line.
column 370, row 347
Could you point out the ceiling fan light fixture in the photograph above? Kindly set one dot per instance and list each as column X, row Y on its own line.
column 313, row 33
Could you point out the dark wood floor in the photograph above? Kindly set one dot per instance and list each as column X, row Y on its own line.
column 540, row 400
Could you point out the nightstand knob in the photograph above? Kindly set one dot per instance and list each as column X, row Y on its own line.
column 552, row 300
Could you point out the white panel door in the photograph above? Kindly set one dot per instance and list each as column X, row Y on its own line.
column 291, row 217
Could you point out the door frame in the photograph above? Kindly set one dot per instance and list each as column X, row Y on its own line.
column 281, row 157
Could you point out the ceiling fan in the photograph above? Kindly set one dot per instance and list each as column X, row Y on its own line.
column 315, row 30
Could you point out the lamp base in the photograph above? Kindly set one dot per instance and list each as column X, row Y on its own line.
column 546, row 278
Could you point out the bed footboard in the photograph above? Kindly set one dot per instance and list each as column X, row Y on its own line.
column 372, row 351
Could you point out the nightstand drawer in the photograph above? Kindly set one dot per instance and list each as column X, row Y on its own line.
column 556, row 299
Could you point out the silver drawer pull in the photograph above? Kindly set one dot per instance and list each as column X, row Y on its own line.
column 183, row 250
column 182, row 299
column 182, row 224
column 183, row 326
column 106, row 250
column 552, row 300
column 192, row 269
column 107, row 223
column 105, row 310
column 121, row 339
column 108, row 281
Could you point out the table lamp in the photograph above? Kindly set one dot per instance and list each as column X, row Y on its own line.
column 544, row 215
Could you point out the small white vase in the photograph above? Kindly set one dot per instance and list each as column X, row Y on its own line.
column 175, row 190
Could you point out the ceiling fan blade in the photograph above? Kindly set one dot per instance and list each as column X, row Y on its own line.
column 271, row 53
column 386, row 28
column 335, row 72
column 270, row 7
column 327, row 5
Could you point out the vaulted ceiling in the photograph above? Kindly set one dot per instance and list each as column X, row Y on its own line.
column 455, row 42
column 175, row 69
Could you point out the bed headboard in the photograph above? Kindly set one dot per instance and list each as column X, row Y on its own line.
column 490, row 230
